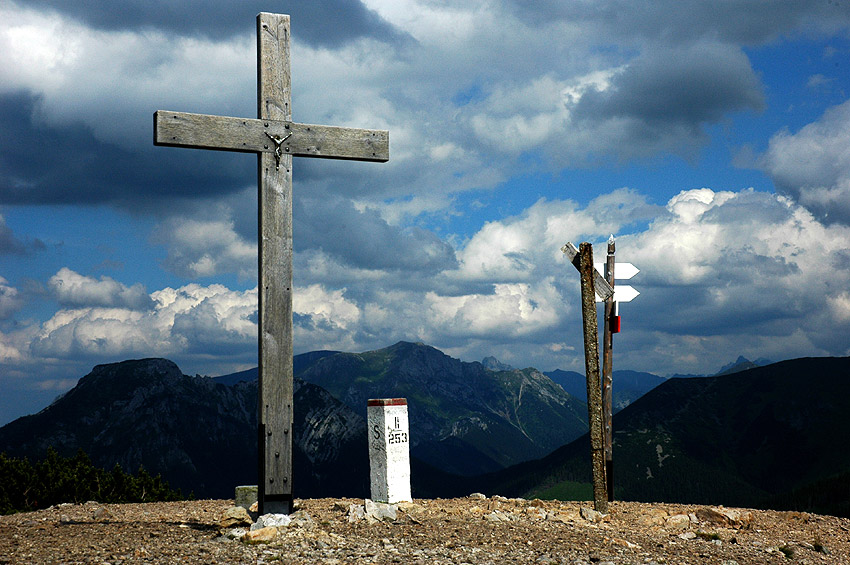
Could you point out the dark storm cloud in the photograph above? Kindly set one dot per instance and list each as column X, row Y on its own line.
column 676, row 90
column 65, row 164
column 365, row 240
column 747, row 22
column 320, row 23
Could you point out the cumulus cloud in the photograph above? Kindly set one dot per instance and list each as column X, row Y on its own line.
column 10, row 299
column 724, row 266
column 723, row 273
column 182, row 321
column 514, row 249
column 812, row 166
column 510, row 311
column 210, row 318
column 204, row 248
column 73, row 289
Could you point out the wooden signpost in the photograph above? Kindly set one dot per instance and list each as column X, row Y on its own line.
column 622, row 293
column 608, row 374
column 600, row 288
column 276, row 139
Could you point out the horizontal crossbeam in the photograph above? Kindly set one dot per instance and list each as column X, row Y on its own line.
column 202, row 131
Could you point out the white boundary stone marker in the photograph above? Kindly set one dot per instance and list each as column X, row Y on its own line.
column 389, row 449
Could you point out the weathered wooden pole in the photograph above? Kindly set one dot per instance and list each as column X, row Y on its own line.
column 594, row 388
column 607, row 374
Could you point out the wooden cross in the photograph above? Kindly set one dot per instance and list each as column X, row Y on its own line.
column 275, row 138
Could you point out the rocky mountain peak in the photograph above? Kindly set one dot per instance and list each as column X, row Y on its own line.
column 494, row 364
column 133, row 372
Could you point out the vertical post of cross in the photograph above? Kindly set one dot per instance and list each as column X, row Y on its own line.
column 275, row 267
column 594, row 386
column 607, row 373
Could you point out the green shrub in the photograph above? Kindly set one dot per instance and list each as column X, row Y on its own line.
column 25, row 486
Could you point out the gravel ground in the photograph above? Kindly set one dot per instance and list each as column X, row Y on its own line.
column 466, row 530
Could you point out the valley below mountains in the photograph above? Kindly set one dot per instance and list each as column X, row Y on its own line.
column 767, row 436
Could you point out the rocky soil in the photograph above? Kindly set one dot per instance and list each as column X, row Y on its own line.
column 473, row 530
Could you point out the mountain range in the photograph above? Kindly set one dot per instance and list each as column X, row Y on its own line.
column 199, row 434
column 767, row 436
column 627, row 386
column 465, row 418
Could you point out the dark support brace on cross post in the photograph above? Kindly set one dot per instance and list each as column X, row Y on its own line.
column 607, row 374
column 276, row 139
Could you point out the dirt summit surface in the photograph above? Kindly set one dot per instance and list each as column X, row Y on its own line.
column 474, row 530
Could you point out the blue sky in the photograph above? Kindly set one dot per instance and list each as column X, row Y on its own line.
column 712, row 139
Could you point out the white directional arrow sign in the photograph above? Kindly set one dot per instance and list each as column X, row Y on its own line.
column 622, row 293
column 622, row 271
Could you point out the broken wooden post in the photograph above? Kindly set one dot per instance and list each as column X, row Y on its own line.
column 389, row 450
column 590, row 278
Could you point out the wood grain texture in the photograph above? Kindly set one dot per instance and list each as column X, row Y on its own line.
column 594, row 385
column 601, row 286
column 275, row 267
column 202, row 131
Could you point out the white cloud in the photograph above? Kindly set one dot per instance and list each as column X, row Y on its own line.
column 183, row 320
column 512, row 310
column 112, row 81
column 203, row 248
column 10, row 299
column 325, row 319
column 723, row 273
column 813, row 165
column 73, row 289
column 740, row 271
column 518, row 118
column 519, row 248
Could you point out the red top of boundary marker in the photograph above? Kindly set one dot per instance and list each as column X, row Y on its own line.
column 387, row 402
